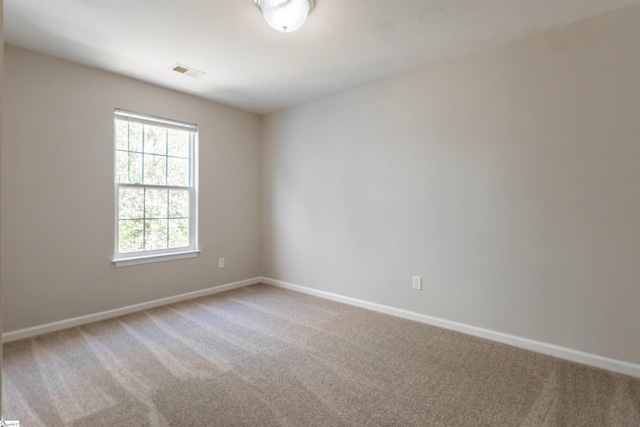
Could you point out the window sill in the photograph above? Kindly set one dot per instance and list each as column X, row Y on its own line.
column 146, row 259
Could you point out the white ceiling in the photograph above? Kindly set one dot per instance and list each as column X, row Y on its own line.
column 345, row 43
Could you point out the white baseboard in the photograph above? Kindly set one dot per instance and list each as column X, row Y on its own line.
column 77, row 321
column 622, row 367
column 537, row 346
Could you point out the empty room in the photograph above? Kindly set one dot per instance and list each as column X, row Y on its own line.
column 320, row 213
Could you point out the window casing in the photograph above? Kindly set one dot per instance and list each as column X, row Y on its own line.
column 155, row 189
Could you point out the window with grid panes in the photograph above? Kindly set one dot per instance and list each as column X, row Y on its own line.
column 154, row 188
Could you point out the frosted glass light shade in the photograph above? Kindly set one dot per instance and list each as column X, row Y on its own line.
column 286, row 16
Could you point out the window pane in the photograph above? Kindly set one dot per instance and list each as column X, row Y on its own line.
column 178, row 172
column 155, row 234
column 131, row 203
column 178, row 203
column 155, row 139
column 135, row 137
column 156, row 203
column 178, row 233
column 155, row 169
column 130, row 236
column 155, row 164
column 128, row 168
column 179, row 143
column 122, row 135
column 122, row 166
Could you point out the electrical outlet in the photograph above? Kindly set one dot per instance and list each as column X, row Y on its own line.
column 417, row 283
column 220, row 262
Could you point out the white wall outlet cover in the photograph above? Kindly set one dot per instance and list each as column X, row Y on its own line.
column 417, row 282
column 220, row 262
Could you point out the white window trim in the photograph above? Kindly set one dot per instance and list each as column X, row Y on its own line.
column 191, row 251
column 125, row 262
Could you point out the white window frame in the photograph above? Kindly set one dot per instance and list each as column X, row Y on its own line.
column 143, row 257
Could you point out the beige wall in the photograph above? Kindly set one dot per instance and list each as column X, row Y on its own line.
column 58, row 192
column 1, row 168
column 508, row 179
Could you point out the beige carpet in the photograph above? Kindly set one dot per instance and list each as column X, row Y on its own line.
column 262, row 356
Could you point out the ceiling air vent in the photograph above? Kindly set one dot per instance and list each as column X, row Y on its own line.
column 182, row 69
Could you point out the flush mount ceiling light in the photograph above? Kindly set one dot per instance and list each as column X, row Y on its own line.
column 285, row 15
